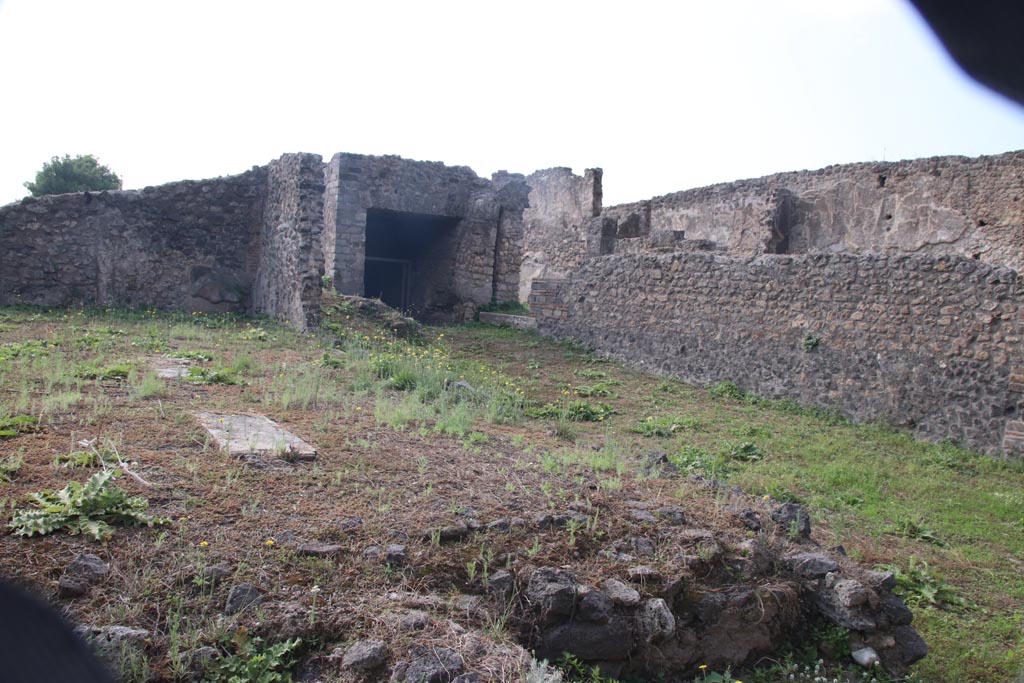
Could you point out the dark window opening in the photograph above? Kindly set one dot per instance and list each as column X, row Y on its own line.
column 408, row 258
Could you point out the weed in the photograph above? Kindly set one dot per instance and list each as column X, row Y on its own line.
column 575, row 671
column 916, row 529
column 197, row 356
column 600, row 389
column 94, row 457
column 917, row 585
column 699, row 460
column 254, row 660
column 12, row 426
column 88, row 509
column 90, row 371
column 728, row 390
column 744, row 452
column 664, row 426
column 149, row 386
column 197, row 375
column 810, row 342
column 9, row 466
column 574, row 411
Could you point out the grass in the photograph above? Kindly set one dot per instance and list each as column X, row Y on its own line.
column 413, row 434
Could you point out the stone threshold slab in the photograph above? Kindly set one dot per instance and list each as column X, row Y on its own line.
column 245, row 435
column 520, row 322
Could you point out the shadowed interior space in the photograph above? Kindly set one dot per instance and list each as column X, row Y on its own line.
column 409, row 261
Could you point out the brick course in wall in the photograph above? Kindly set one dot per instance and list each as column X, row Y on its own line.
column 930, row 343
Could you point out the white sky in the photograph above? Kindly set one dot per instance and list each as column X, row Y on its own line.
column 663, row 95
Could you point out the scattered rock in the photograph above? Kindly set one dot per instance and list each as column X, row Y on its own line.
column 194, row 662
column 881, row 580
column 672, row 515
column 546, row 520
column 655, row 621
column 643, row 516
column 586, row 640
column 455, row 532
column 112, row 643
column 595, row 606
column 616, row 556
column 429, row 665
column 793, row 519
column 395, row 554
column 416, row 620
column 811, row 565
column 644, row 547
column 895, row 611
column 365, row 655
column 317, row 549
column 552, row 591
column 350, row 524
column 84, row 571
column 750, row 519
column 910, row 646
column 241, row 597
column 866, row 657
column 621, row 594
column 643, row 573
column 372, row 552
column 214, row 574
column 850, row 593
column 502, row 584
column 754, row 559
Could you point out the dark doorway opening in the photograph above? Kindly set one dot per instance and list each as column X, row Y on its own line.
column 409, row 259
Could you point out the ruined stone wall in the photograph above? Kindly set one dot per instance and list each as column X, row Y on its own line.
column 190, row 245
column 561, row 225
column 971, row 207
column 291, row 266
column 931, row 343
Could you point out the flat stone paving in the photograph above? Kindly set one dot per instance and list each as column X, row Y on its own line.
column 242, row 435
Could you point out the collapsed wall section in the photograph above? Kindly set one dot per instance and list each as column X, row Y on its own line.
column 930, row 343
column 290, row 268
column 189, row 245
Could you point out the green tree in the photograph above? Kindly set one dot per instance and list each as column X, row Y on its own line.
column 73, row 174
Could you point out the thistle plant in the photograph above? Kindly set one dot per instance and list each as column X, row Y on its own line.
column 90, row 509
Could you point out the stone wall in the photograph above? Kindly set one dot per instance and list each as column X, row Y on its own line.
column 291, row 265
column 972, row 207
column 930, row 343
column 189, row 245
column 561, row 225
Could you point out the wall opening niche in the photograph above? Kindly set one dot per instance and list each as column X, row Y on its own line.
column 409, row 262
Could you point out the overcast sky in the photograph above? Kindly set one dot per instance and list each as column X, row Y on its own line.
column 663, row 95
